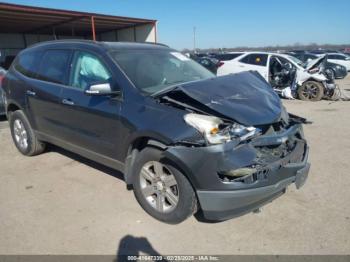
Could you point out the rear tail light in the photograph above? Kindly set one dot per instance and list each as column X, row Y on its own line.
column 220, row 64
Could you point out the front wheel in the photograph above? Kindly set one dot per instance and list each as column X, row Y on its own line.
column 161, row 188
column 311, row 91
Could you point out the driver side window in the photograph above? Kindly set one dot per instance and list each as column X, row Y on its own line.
column 87, row 70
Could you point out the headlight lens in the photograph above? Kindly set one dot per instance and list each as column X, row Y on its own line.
column 215, row 132
column 209, row 126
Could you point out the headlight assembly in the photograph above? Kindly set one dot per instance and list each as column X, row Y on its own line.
column 216, row 132
column 209, row 126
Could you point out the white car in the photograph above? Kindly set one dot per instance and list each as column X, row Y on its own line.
column 339, row 58
column 306, row 81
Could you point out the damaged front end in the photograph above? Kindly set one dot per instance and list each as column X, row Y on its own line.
column 279, row 145
column 236, row 167
column 239, row 176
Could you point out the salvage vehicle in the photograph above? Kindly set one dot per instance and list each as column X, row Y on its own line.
column 2, row 96
column 184, row 139
column 331, row 70
column 287, row 75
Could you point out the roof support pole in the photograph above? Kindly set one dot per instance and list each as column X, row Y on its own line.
column 93, row 28
column 134, row 33
column 155, row 31
column 54, row 33
column 24, row 40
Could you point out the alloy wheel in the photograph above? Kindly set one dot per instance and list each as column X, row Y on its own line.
column 310, row 90
column 20, row 133
column 159, row 186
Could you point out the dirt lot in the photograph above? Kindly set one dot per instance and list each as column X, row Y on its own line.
column 59, row 203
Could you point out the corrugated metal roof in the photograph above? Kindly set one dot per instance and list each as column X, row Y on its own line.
column 29, row 19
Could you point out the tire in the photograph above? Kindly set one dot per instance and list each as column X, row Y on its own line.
column 330, row 73
column 311, row 91
column 165, row 194
column 23, row 135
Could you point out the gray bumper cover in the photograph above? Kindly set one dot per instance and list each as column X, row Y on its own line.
column 222, row 205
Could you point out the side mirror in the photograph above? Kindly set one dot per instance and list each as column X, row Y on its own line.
column 102, row 89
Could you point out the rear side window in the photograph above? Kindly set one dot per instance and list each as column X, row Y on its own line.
column 337, row 57
column 255, row 59
column 54, row 66
column 27, row 63
column 226, row 57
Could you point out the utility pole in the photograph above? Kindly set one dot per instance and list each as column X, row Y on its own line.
column 194, row 39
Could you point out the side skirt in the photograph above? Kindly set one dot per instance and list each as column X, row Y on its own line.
column 104, row 160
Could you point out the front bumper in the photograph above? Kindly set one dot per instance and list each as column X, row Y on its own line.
column 221, row 205
column 221, row 199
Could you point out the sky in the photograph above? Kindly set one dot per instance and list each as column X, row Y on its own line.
column 225, row 23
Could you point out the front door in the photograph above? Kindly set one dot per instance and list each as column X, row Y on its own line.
column 90, row 122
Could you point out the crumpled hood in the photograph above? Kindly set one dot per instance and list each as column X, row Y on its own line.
column 315, row 62
column 244, row 97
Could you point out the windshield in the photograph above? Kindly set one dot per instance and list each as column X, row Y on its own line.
column 152, row 71
column 297, row 61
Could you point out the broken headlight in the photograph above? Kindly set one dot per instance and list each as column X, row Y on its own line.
column 243, row 132
column 216, row 132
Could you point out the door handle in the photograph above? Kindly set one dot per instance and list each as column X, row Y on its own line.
column 68, row 102
column 30, row 93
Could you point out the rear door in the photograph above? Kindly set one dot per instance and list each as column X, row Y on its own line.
column 44, row 92
column 90, row 122
column 255, row 62
column 229, row 63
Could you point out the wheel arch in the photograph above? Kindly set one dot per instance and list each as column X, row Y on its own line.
column 134, row 149
column 314, row 79
column 12, row 107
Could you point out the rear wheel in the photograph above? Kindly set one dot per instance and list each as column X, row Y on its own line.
column 311, row 91
column 23, row 135
column 161, row 189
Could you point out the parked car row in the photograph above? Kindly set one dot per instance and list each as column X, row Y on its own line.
column 333, row 70
column 288, row 75
column 333, row 57
column 295, row 74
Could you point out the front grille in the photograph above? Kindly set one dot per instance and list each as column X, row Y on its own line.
column 267, row 157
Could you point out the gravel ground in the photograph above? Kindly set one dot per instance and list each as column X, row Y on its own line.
column 60, row 203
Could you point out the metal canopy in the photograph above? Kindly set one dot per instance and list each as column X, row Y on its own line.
column 37, row 20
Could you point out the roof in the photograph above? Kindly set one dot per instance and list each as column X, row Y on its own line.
column 97, row 44
column 341, row 54
column 28, row 19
